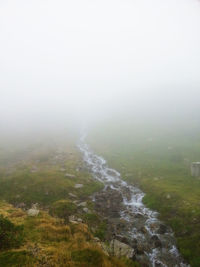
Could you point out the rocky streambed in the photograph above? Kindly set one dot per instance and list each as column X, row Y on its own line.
column 130, row 221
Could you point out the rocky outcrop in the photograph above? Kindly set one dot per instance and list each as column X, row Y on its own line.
column 119, row 249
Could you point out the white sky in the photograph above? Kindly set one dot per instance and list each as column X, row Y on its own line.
column 87, row 57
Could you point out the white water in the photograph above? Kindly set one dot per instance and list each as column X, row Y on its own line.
column 167, row 255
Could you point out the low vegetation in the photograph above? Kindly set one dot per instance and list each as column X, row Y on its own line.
column 47, row 176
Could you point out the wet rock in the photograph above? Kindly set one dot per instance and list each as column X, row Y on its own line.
column 122, row 224
column 138, row 215
column 156, row 241
column 153, row 226
column 127, row 192
column 111, row 172
column 143, row 260
column 78, row 185
column 143, row 230
column 140, row 248
column 120, row 249
column 158, row 264
column 162, row 229
column 122, row 239
column 109, row 202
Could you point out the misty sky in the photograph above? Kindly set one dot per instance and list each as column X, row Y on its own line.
column 88, row 58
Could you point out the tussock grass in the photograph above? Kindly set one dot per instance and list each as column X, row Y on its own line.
column 48, row 240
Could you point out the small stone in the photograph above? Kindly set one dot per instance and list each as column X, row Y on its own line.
column 82, row 204
column 72, row 219
column 33, row 212
column 69, row 175
column 168, row 196
column 78, row 185
column 86, row 210
column 156, row 241
column 162, row 229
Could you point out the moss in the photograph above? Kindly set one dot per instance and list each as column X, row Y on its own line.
column 16, row 258
column 101, row 231
column 63, row 209
column 129, row 263
column 87, row 257
column 91, row 219
column 11, row 235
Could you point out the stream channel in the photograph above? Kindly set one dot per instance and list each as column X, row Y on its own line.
column 130, row 221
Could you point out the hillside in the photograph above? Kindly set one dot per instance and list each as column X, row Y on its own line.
column 46, row 211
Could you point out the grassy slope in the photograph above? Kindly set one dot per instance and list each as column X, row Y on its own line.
column 158, row 161
column 50, row 242
column 32, row 174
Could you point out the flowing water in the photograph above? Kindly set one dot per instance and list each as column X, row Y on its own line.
column 155, row 240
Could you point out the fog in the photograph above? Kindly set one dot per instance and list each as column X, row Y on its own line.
column 64, row 62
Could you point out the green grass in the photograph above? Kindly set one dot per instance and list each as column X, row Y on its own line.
column 63, row 209
column 47, row 185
